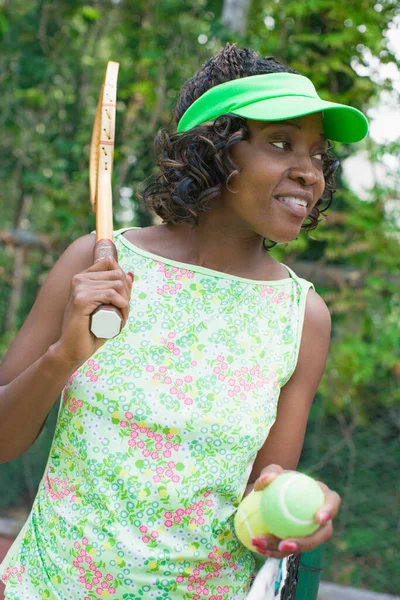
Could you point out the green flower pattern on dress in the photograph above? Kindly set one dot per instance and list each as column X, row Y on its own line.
column 155, row 440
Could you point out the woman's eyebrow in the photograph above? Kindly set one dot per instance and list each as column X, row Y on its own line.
column 269, row 123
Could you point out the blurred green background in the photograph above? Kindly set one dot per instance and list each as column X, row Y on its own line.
column 52, row 63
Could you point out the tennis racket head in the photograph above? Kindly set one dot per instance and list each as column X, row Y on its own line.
column 102, row 144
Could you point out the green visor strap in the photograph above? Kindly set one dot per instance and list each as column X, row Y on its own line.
column 275, row 97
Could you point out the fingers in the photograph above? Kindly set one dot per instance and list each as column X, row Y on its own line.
column 107, row 277
column 85, row 298
column 122, row 284
column 105, row 269
column 104, row 263
column 108, row 269
column 274, row 546
column 116, row 278
column 270, row 545
column 308, row 543
column 267, row 545
column 267, row 476
column 331, row 505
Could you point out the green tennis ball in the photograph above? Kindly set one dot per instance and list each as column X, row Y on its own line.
column 288, row 505
column 248, row 521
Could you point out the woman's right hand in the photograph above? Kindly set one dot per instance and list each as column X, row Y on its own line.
column 103, row 283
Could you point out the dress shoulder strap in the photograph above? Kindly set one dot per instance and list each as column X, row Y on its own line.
column 118, row 232
column 303, row 282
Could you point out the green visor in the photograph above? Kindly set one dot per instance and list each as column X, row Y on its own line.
column 275, row 97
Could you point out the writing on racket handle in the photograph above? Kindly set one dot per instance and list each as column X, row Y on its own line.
column 106, row 320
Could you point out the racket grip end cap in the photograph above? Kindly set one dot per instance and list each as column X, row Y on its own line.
column 105, row 323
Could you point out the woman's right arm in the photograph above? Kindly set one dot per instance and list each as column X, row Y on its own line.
column 54, row 341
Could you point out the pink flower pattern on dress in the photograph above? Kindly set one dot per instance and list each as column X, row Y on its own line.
column 75, row 404
column 91, row 373
column 57, row 488
column 200, row 583
column 69, row 383
column 173, row 275
column 191, row 515
column 275, row 296
column 90, row 576
column 244, row 380
column 157, row 446
column 14, row 572
column 180, row 385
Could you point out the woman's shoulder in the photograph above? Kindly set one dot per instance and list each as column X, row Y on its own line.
column 154, row 238
column 150, row 239
column 317, row 315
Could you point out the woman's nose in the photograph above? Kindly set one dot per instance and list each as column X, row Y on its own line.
column 305, row 170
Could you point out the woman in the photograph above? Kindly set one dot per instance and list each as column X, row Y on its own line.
column 206, row 392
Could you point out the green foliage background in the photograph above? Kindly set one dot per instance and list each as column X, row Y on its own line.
column 52, row 63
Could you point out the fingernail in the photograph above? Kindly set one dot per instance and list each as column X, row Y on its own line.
column 262, row 551
column 323, row 516
column 288, row 547
column 259, row 542
column 267, row 478
column 132, row 275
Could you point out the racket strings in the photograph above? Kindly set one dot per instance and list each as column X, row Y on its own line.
column 290, row 577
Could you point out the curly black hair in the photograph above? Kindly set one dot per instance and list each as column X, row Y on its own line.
column 196, row 164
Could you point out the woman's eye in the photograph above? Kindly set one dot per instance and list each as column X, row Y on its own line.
column 281, row 145
column 320, row 156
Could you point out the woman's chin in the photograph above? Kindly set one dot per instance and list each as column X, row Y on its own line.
column 283, row 237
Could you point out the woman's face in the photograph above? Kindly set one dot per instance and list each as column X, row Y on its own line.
column 280, row 167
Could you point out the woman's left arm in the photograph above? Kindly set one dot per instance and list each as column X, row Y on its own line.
column 283, row 446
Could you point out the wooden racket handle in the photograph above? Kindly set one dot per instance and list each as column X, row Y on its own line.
column 106, row 320
column 104, row 212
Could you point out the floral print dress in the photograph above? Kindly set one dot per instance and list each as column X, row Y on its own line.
column 155, row 440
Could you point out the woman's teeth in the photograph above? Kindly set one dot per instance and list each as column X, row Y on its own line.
column 293, row 200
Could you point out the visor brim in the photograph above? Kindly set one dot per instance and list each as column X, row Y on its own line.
column 341, row 123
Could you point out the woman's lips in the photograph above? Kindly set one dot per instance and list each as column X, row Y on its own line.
column 296, row 209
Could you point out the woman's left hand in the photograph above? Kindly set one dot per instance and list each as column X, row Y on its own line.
column 269, row 545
